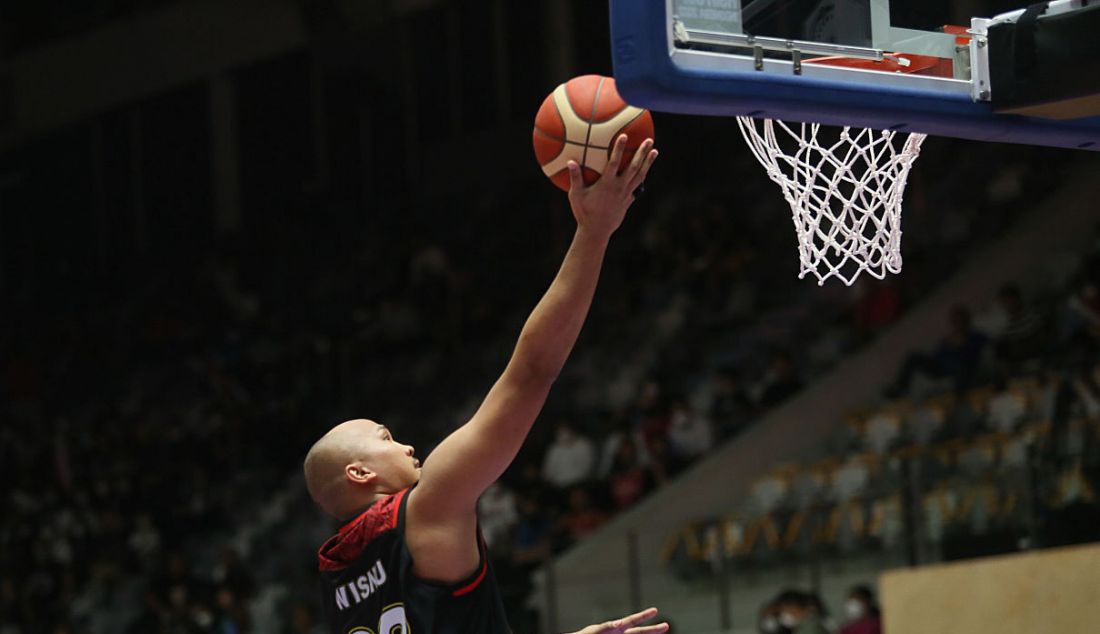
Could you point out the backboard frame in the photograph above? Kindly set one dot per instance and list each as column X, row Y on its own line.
column 651, row 71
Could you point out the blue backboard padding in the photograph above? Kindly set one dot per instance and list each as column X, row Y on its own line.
column 646, row 76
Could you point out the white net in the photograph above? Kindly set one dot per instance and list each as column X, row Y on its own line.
column 845, row 193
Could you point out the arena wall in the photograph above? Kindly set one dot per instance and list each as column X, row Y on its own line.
column 1048, row 591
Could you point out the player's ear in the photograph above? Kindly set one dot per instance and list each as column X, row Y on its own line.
column 358, row 473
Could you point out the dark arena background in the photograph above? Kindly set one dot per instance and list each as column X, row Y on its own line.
column 226, row 226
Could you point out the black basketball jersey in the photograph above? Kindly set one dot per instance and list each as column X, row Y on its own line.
column 368, row 585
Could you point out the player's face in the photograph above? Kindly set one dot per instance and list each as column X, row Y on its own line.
column 394, row 463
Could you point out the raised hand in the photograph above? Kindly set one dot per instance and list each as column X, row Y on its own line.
column 602, row 206
column 626, row 625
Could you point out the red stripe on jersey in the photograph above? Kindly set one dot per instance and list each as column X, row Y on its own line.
column 470, row 587
column 397, row 507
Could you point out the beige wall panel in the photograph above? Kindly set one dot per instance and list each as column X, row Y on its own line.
column 1055, row 591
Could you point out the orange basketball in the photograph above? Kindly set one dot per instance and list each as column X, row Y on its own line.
column 579, row 121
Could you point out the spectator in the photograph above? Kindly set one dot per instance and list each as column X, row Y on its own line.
column 230, row 615
column 956, row 357
column 570, row 459
column 689, row 433
column 798, row 613
column 144, row 540
column 628, row 480
column 663, row 463
column 767, row 621
column 862, row 612
column 780, row 380
column 1017, row 335
column 531, row 484
column 1084, row 309
column 302, row 620
column 176, row 586
column 877, row 304
column 817, row 609
column 582, row 517
column 534, row 532
column 650, row 415
column 730, row 406
column 624, row 432
column 497, row 515
column 232, row 573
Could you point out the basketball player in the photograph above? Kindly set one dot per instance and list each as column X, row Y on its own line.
column 410, row 557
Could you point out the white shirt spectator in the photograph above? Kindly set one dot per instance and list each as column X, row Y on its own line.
column 145, row 539
column 497, row 514
column 851, row 479
column 1007, row 410
column 882, row 431
column 689, row 434
column 569, row 460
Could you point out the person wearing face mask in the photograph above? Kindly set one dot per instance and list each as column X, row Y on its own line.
column 862, row 612
column 768, row 621
column 797, row 614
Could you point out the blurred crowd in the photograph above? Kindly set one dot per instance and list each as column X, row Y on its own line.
column 152, row 417
column 986, row 441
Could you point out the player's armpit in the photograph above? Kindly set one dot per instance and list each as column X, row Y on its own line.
column 446, row 553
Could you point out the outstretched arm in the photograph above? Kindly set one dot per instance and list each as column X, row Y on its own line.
column 442, row 507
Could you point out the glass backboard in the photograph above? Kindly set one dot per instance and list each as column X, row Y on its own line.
column 913, row 65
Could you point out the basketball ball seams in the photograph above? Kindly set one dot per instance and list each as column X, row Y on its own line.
column 588, row 135
column 604, row 135
column 547, row 135
column 543, row 133
column 575, row 127
column 627, row 125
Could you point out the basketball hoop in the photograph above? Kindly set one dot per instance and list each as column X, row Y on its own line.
column 845, row 195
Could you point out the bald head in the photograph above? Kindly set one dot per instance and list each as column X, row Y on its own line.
column 353, row 464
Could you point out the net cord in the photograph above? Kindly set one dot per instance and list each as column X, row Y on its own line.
column 845, row 197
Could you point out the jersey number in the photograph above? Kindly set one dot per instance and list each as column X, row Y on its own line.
column 392, row 621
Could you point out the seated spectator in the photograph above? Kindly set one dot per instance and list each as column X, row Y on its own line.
column 1007, row 409
column 1019, row 337
column 531, row 484
column 767, row 621
column 302, row 620
column 230, row 615
column 730, row 406
column 663, row 462
column 534, row 534
column 689, row 433
column 780, row 380
column 610, row 449
column 817, row 610
column 497, row 515
column 628, row 480
column 1013, row 326
column 877, row 304
column 570, row 459
column 651, row 414
column 798, row 613
column 582, row 517
column 234, row 574
column 862, row 612
column 956, row 357
column 1084, row 313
